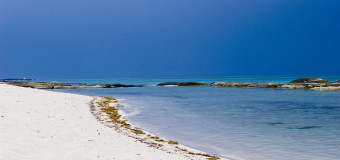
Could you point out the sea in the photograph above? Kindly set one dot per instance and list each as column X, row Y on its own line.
column 233, row 123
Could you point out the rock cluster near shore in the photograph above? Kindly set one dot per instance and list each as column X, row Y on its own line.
column 301, row 83
column 309, row 80
column 245, row 84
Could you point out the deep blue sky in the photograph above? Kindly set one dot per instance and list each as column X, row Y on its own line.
column 158, row 38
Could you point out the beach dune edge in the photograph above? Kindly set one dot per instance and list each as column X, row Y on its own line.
column 38, row 124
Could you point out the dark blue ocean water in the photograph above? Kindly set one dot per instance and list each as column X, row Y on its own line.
column 237, row 123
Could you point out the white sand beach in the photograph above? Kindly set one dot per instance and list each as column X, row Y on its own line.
column 37, row 124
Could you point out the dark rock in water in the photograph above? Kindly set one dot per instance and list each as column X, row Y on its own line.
column 123, row 85
column 309, row 80
column 182, row 84
column 28, row 86
column 105, row 85
column 192, row 84
column 44, row 87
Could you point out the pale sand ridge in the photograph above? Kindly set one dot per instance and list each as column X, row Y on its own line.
column 37, row 124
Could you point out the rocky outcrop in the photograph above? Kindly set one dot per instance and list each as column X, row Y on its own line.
column 40, row 85
column 232, row 84
column 326, row 88
column 302, row 83
column 266, row 85
column 297, row 86
column 43, row 87
column 246, row 84
column 168, row 84
column 105, row 85
column 124, row 86
column 329, row 84
column 182, row 84
column 261, row 85
column 315, row 86
column 309, row 80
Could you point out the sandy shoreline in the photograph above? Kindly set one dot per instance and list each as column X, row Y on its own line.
column 37, row 124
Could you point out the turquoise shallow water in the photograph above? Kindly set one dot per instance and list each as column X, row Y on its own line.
column 154, row 81
column 238, row 123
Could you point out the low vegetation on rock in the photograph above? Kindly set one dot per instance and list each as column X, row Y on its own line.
column 301, row 83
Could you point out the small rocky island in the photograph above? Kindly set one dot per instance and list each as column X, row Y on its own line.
column 301, row 83
column 182, row 84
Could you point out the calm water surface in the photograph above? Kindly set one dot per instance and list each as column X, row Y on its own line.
column 238, row 123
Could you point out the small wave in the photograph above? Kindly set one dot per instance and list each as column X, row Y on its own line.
column 274, row 123
column 127, row 111
column 135, row 112
column 305, row 127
